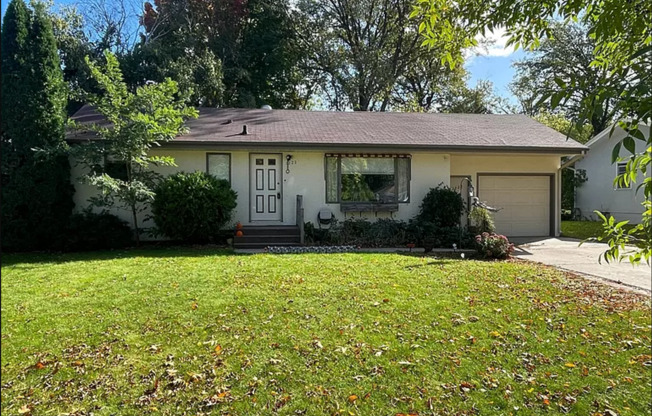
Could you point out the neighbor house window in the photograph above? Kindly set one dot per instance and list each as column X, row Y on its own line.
column 382, row 179
column 621, row 168
column 219, row 165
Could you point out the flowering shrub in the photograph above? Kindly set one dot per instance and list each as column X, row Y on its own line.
column 494, row 246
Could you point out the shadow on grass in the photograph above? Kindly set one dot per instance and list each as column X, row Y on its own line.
column 172, row 251
column 153, row 251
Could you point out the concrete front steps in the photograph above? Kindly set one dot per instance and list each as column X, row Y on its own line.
column 257, row 237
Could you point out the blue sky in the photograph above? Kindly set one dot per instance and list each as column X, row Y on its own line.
column 493, row 63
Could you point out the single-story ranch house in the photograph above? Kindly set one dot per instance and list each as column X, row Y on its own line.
column 369, row 164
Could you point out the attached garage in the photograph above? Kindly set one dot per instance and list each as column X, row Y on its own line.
column 525, row 203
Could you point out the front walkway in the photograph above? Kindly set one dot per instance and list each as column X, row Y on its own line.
column 566, row 254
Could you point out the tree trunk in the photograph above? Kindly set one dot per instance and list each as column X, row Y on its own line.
column 136, row 229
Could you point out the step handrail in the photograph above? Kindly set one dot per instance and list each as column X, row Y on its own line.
column 300, row 220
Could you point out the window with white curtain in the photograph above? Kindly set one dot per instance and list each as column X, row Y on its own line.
column 219, row 165
column 379, row 179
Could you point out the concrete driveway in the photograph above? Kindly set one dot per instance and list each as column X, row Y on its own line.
column 566, row 254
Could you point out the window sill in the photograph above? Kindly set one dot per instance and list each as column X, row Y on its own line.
column 368, row 207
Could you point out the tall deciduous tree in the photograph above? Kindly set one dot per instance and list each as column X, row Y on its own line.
column 151, row 115
column 367, row 56
column 36, row 189
column 558, row 61
column 241, row 53
column 623, row 45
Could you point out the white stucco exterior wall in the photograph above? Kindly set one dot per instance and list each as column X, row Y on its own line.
column 307, row 178
column 598, row 193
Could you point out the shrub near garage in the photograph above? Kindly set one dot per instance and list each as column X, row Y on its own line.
column 494, row 246
column 193, row 207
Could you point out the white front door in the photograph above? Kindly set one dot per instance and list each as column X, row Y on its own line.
column 266, row 187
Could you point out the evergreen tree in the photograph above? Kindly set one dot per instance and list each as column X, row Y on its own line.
column 36, row 190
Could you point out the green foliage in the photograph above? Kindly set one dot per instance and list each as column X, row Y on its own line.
column 564, row 124
column 137, row 121
column 459, row 98
column 198, row 73
column 88, row 231
column 366, row 56
column 193, row 207
column 361, row 232
column 571, row 179
column 553, row 66
column 442, row 206
column 493, row 246
column 482, row 220
column 241, row 54
column 36, row 188
column 388, row 233
column 627, row 241
column 620, row 32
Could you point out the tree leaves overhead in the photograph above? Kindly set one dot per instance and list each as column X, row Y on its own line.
column 621, row 32
column 551, row 69
column 233, row 53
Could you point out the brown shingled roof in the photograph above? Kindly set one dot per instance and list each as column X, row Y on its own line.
column 294, row 128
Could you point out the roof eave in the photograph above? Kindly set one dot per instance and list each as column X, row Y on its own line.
column 439, row 148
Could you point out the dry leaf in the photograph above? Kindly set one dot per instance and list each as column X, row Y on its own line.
column 218, row 349
column 353, row 398
column 570, row 365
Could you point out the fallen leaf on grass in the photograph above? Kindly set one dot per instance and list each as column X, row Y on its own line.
column 353, row 398
column 465, row 386
column 570, row 365
column 218, row 349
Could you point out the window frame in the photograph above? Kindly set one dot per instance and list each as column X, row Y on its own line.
column 208, row 157
column 395, row 158
column 622, row 165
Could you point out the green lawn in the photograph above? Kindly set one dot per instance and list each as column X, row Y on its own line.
column 166, row 332
column 581, row 229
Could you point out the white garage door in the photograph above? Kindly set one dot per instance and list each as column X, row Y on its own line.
column 524, row 203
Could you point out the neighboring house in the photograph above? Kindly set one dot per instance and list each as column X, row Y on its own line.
column 599, row 193
column 370, row 164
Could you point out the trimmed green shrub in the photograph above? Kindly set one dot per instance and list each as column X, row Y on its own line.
column 89, row 231
column 193, row 207
column 386, row 232
column 493, row 246
column 442, row 206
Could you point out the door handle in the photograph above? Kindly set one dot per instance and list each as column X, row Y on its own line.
column 278, row 195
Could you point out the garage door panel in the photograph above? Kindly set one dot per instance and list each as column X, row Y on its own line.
column 524, row 203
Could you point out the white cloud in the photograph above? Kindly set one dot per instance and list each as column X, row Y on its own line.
column 492, row 44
